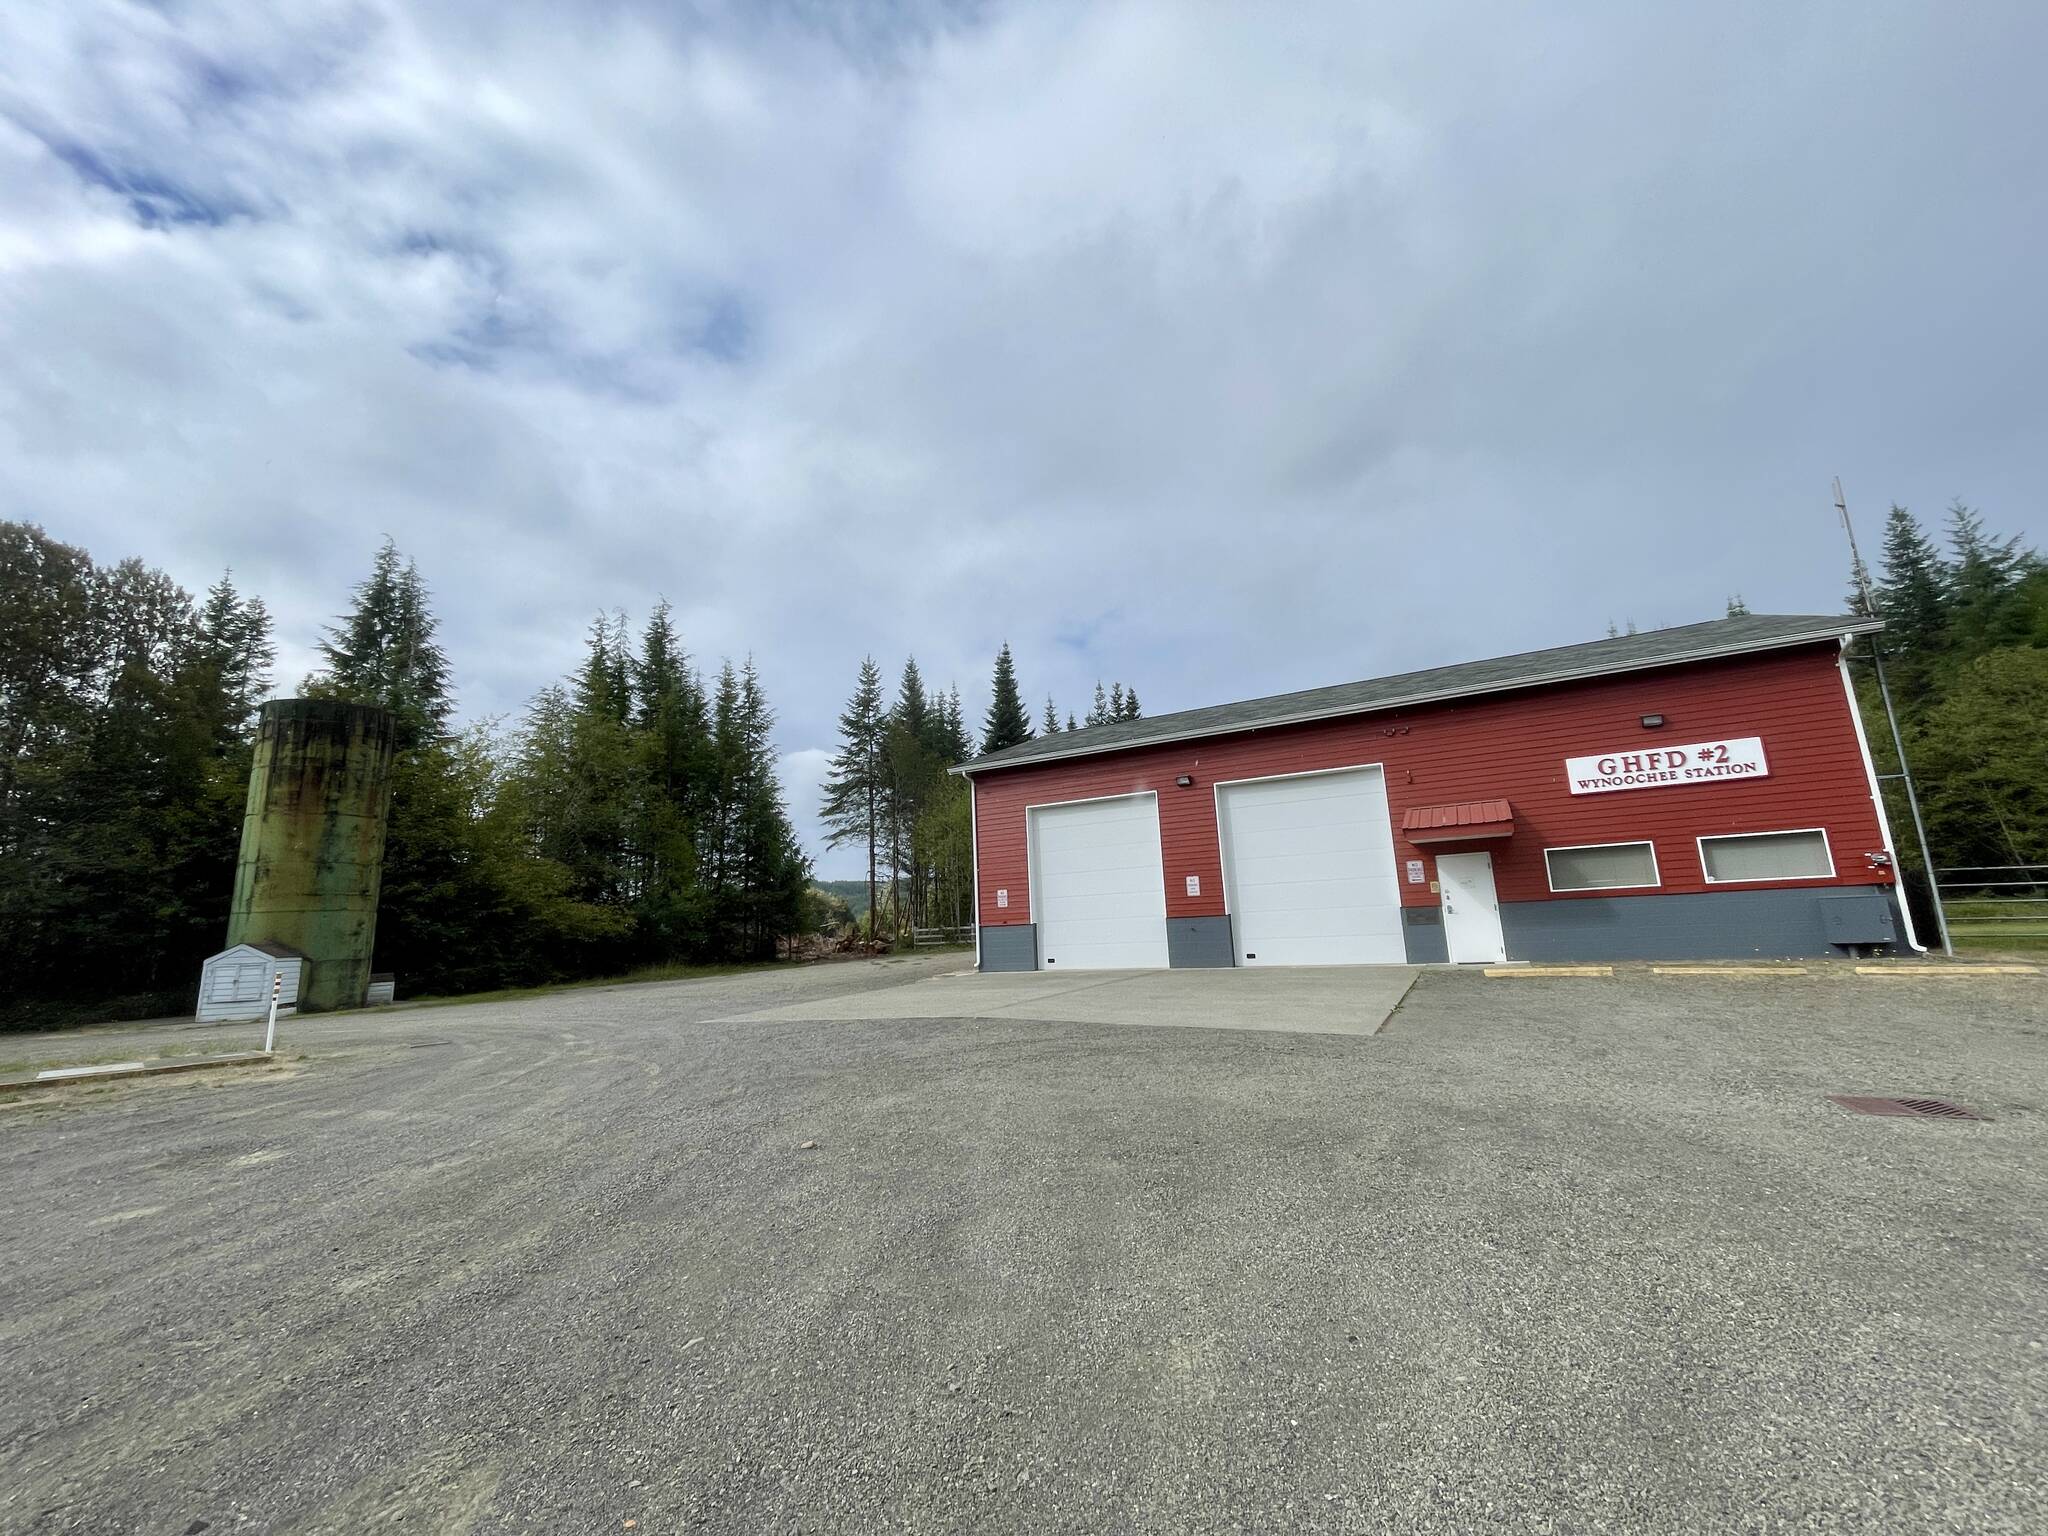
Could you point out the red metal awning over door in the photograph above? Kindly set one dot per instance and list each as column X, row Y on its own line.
column 1458, row 823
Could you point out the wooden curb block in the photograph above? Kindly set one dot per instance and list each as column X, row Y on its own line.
column 1549, row 970
column 59, row 1077
column 1948, row 970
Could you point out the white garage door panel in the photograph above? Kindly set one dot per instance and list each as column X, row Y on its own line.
column 1098, row 886
column 1310, row 870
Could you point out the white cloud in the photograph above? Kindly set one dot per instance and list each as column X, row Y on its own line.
column 1217, row 349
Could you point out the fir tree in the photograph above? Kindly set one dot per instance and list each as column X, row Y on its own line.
column 1737, row 608
column 1984, row 575
column 855, row 787
column 1006, row 724
column 1116, row 701
column 1072, row 725
column 1049, row 722
column 959, row 746
column 1131, row 711
column 234, row 636
column 1099, row 714
column 913, row 754
column 1912, row 592
column 765, row 873
column 383, row 651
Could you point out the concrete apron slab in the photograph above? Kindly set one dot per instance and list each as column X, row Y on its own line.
column 1335, row 1000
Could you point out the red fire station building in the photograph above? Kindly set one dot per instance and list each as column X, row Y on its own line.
column 1699, row 792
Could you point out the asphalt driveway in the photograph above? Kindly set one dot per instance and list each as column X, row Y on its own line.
column 1561, row 1255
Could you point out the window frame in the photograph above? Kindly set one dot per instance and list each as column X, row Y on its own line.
column 1827, row 849
column 1656, row 880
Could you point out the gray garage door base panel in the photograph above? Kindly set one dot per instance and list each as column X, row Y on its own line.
column 1703, row 925
column 1422, row 931
column 1012, row 947
column 1199, row 943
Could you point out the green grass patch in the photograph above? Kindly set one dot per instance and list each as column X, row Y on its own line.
column 2015, row 941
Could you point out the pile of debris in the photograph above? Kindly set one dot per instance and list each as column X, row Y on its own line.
column 823, row 946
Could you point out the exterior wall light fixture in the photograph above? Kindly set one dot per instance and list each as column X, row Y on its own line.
column 1651, row 722
column 1185, row 781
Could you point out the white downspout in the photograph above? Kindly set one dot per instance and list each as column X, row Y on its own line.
column 974, row 846
column 1884, row 822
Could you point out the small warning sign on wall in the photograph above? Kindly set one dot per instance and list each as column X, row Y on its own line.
column 1415, row 871
column 1194, row 885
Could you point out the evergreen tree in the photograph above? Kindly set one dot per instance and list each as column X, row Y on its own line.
column 1912, row 592
column 1006, row 724
column 1116, row 701
column 1099, row 713
column 383, row 651
column 913, row 754
column 1737, row 608
column 913, row 712
column 763, row 872
column 855, row 786
column 1071, row 725
column 1049, row 722
column 234, row 635
column 674, row 741
column 959, row 745
column 1984, row 576
column 1131, row 711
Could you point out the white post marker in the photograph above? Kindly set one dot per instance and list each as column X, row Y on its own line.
column 270, row 1030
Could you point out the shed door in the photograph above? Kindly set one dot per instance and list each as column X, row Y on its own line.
column 1308, row 865
column 238, row 981
column 1098, row 884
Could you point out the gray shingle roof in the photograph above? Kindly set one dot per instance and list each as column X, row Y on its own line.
column 1531, row 669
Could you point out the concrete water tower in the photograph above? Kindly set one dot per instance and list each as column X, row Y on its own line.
column 313, row 842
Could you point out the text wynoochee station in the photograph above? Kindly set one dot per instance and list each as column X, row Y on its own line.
column 1704, row 792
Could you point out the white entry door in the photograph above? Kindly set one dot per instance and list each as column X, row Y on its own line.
column 1471, row 910
column 1308, row 865
column 1098, row 884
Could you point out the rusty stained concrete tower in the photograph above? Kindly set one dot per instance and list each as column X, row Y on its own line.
column 313, row 842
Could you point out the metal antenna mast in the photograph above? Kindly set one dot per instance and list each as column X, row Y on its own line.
column 1891, row 718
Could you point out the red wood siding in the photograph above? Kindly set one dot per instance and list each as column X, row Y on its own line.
column 1512, row 747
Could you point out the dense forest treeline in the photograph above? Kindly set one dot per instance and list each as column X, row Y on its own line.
column 1966, row 648
column 632, row 817
column 890, row 793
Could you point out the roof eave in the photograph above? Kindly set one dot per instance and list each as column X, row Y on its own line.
column 1840, row 633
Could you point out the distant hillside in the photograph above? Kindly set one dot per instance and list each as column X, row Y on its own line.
column 853, row 892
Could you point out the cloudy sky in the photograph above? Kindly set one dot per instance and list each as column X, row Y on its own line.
column 1223, row 349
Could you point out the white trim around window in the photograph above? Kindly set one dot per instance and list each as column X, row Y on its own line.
column 1656, row 876
column 1707, row 874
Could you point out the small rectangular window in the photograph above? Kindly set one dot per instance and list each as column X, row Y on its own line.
column 1602, row 867
column 1767, row 856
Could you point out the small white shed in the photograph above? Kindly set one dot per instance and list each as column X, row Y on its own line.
column 235, row 984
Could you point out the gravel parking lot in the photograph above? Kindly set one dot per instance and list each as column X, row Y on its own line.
column 1538, row 1255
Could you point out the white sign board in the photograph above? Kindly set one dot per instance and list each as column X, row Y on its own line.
column 1002, row 898
column 1415, row 871
column 1698, row 762
column 1194, row 885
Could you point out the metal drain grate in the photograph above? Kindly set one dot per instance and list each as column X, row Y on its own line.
column 1916, row 1109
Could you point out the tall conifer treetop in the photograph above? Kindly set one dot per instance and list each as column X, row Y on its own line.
column 1006, row 723
column 383, row 651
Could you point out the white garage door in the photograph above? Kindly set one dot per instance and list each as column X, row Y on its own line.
column 1098, row 884
column 1309, row 870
